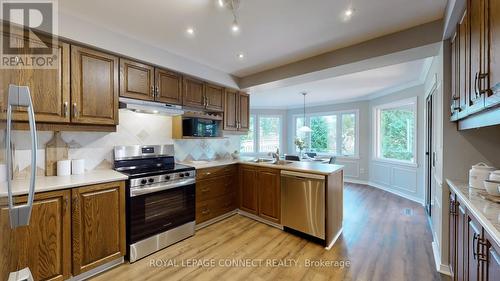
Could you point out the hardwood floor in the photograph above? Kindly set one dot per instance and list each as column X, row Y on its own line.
column 385, row 238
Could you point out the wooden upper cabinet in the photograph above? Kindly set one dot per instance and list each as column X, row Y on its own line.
column 492, row 51
column 214, row 97
column 136, row 80
column 248, row 190
column 269, row 194
column 193, row 93
column 49, row 88
column 475, row 42
column 244, row 112
column 230, row 110
column 98, row 225
column 463, row 63
column 45, row 245
column 169, row 86
column 94, row 87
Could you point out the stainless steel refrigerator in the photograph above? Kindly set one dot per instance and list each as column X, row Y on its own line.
column 15, row 211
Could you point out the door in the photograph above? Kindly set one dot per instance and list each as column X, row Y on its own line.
column 268, row 183
column 94, row 87
column 248, row 190
column 45, row 244
column 492, row 52
column 244, row 112
column 98, row 221
column 429, row 153
column 193, row 93
column 473, row 238
column 136, row 80
column 214, row 97
column 231, row 110
column 168, row 86
column 50, row 88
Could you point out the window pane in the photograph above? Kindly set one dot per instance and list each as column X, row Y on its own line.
column 396, row 133
column 348, row 133
column 247, row 141
column 299, row 123
column 324, row 134
column 269, row 134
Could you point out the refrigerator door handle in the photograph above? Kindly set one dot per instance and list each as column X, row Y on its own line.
column 19, row 96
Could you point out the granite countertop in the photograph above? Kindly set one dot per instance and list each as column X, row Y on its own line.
column 42, row 184
column 487, row 212
column 297, row 166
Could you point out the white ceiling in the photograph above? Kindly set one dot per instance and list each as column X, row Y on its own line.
column 356, row 86
column 272, row 33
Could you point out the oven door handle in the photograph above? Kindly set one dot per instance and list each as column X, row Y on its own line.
column 136, row 191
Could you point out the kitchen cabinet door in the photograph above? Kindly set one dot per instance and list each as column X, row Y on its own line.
column 461, row 245
column 193, row 94
column 94, row 87
column 248, row 189
column 244, row 112
column 476, row 55
column 492, row 261
column 492, row 52
column 455, row 96
column 453, row 236
column 463, row 36
column 268, row 182
column 214, row 97
column 49, row 88
column 45, row 244
column 169, row 86
column 231, row 110
column 98, row 221
column 474, row 237
column 136, row 80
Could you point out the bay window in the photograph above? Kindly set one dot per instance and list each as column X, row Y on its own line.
column 264, row 135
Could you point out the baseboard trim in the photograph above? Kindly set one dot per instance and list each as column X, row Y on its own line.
column 441, row 268
column 384, row 188
column 215, row 220
column 329, row 247
column 259, row 219
column 97, row 270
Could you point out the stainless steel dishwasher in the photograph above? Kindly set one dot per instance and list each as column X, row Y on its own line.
column 303, row 202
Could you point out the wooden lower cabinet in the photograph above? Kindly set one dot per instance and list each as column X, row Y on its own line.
column 269, row 194
column 45, row 244
column 216, row 190
column 248, row 189
column 98, row 225
column 474, row 256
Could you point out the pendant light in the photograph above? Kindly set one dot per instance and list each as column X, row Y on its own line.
column 304, row 129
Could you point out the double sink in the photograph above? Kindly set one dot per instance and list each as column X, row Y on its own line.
column 270, row 161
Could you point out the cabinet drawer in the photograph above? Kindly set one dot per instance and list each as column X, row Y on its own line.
column 215, row 172
column 212, row 208
column 214, row 187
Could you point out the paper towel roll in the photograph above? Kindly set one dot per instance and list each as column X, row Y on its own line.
column 64, row 168
column 77, row 166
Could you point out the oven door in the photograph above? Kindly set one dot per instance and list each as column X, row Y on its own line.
column 159, row 211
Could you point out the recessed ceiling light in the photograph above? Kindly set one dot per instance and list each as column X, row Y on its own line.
column 221, row 3
column 190, row 31
column 348, row 12
column 235, row 27
column 241, row 56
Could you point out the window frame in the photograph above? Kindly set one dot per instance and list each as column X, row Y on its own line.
column 339, row 114
column 413, row 102
column 256, row 133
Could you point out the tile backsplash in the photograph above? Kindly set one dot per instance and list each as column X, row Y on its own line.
column 134, row 128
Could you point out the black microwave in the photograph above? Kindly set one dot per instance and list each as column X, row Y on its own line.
column 200, row 127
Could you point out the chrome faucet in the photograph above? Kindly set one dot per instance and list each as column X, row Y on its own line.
column 275, row 155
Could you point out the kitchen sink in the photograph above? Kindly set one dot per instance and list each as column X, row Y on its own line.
column 282, row 162
column 262, row 160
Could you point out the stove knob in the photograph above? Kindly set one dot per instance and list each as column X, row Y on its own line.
column 151, row 180
column 181, row 175
column 167, row 178
column 143, row 181
column 186, row 174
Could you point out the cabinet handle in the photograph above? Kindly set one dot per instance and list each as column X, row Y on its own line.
column 157, row 91
column 205, row 189
column 75, row 110
column 475, row 245
column 65, row 205
column 66, row 109
column 475, row 87
column 153, row 91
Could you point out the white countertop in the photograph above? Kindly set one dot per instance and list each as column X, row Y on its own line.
column 485, row 211
column 297, row 166
column 42, row 184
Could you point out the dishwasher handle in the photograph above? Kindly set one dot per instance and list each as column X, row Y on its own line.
column 291, row 174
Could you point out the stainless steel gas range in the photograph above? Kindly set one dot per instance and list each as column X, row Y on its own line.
column 160, row 198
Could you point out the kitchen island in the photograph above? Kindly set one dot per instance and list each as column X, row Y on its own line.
column 257, row 190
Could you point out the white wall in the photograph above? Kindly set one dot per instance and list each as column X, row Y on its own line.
column 401, row 179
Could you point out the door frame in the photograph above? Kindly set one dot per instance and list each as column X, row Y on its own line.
column 429, row 151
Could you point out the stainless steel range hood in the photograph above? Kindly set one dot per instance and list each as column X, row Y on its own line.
column 150, row 107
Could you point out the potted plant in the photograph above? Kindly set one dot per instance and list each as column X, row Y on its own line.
column 301, row 144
